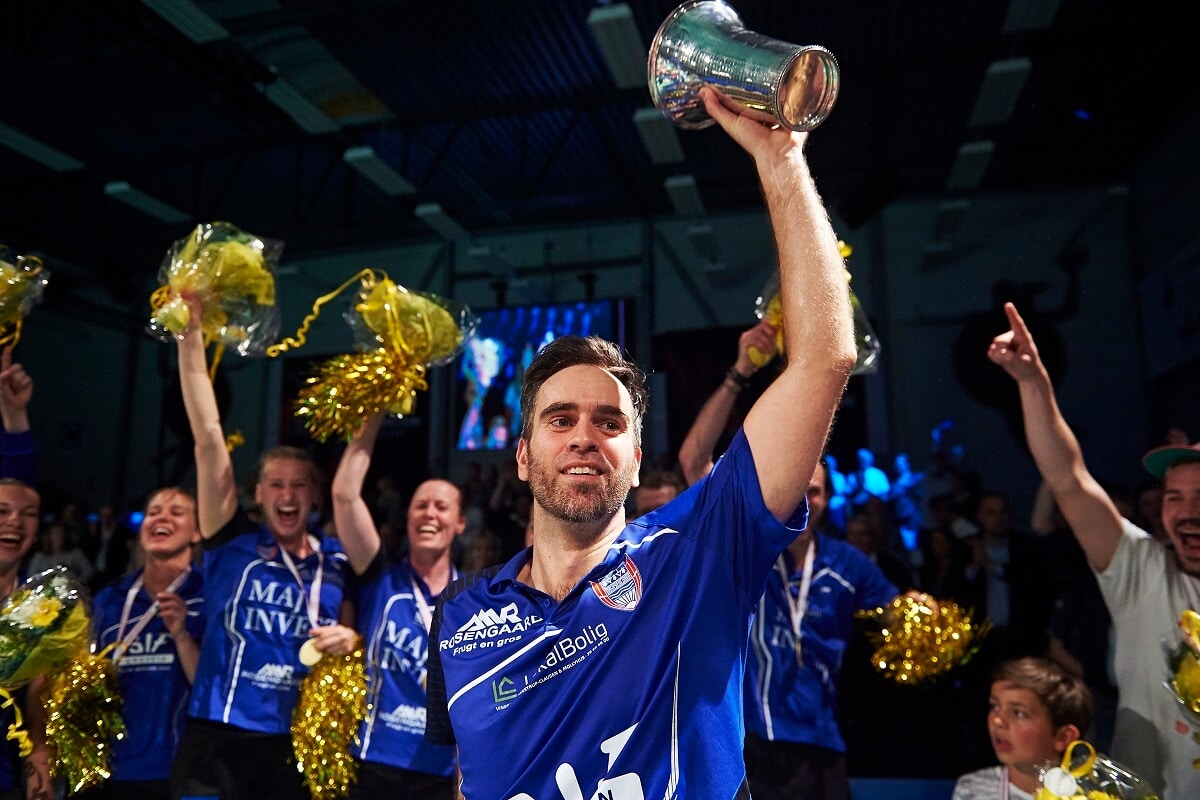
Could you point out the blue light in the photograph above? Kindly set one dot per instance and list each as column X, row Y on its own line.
column 135, row 519
column 1083, row 114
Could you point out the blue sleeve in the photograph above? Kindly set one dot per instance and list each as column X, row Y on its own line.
column 18, row 457
column 730, row 517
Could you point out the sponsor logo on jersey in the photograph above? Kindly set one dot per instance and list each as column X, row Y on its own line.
column 582, row 644
column 621, row 588
column 405, row 717
column 275, row 608
column 272, row 675
column 489, row 624
column 148, row 650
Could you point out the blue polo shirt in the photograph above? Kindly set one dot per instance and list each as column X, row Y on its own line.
column 632, row 685
column 789, row 702
column 249, row 672
column 154, row 689
column 393, row 732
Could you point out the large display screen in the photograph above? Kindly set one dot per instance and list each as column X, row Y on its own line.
column 490, row 371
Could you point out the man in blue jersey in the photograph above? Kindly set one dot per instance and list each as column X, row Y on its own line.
column 607, row 659
column 805, row 620
column 395, row 609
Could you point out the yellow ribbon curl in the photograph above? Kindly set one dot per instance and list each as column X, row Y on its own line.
column 15, row 731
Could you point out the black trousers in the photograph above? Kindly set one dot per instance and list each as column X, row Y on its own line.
column 794, row 771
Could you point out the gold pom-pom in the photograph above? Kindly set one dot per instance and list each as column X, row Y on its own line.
column 918, row 639
column 83, row 719
column 333, row 702
column 348, row 388
column 404, row 333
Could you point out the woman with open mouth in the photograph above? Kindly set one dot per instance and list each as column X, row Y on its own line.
column 273, row 603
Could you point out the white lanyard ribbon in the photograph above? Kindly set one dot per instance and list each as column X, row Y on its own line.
column 125, row 639
column 1004, row 783
column 796, row 606
column 424, row 610
column 312, row 601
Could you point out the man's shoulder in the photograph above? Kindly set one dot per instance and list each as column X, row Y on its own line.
column 469, row 583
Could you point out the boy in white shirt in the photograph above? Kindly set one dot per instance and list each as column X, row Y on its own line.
column 1035, row 710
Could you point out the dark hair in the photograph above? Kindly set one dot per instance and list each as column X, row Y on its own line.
column 1067, row 698
column 572, row 351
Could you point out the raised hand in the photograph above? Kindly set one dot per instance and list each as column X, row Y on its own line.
column 173, row 610
column 761, row 338
column 1015, row 350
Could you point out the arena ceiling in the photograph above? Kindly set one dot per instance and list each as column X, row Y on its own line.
column 507, row 114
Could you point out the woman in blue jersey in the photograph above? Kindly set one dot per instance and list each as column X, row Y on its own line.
column 395, row 607
column 153, row 620
column 271, row 590
column 20, row 510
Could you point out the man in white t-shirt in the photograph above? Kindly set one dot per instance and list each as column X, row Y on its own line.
column 1145, row 584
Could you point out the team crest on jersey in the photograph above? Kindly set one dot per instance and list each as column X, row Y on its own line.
column 621, row 588
column 268, row 552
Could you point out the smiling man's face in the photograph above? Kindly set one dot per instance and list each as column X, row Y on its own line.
column 580, row 458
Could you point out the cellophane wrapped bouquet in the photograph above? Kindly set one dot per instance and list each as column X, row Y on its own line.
column 768, row 306
column 22, row 281
column 45, row 631
column 233, row 274
column 1085, row 774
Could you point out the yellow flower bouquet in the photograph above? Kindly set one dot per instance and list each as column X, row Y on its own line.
column 42, row 624
column 233, row 273
column 44, row 630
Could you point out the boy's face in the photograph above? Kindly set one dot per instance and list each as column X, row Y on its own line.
column 1020, row 727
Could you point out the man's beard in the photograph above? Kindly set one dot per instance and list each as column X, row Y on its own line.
column 579, row 505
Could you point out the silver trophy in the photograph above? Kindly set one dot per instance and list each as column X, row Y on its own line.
column 703, row 42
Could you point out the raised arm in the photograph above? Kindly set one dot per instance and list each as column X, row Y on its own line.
column 351, row 517
column 789, row 424
column 216, row 489
column 696, row 452
column 16, row 390
column 1083, row 502
column 17, row 456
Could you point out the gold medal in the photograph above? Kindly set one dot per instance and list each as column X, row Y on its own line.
column 309, row 654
